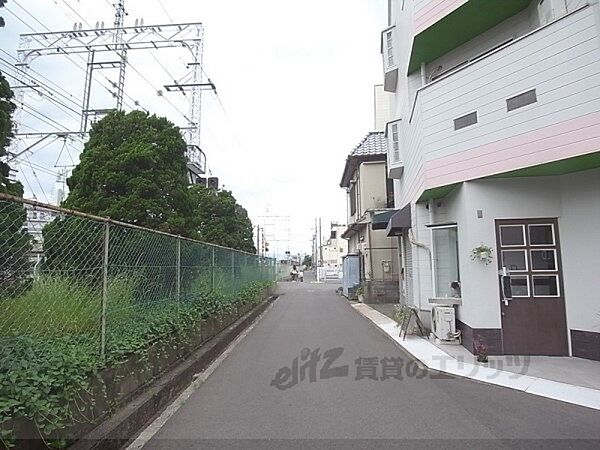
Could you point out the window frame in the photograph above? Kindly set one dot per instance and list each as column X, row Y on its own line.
column 433, row 228
column 352, row 197
column 523, row 228
column 551, row 225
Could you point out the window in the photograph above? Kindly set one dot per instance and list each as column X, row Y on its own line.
column 519, row 286
column 512, row 235
column 333, row 234
column 515, row 260
column 389, row 187
column 389, row 43
column 465, row 121
column 518, row 101
column 530, row 252
column 445, row 260
column 541, row 234
column 545, row 286
column 353, row 199
column 395, row 143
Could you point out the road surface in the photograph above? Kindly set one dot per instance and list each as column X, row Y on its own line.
column 252, row 399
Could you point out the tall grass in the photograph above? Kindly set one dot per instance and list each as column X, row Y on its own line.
column 53, row 306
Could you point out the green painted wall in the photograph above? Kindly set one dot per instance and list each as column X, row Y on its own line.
column 459, row 27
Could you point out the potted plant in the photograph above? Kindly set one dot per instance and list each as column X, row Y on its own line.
column 401, row 313
column 360, row 293
column 481, row 351
column 483, row 253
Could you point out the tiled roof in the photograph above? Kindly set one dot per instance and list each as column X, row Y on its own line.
column 374, row 143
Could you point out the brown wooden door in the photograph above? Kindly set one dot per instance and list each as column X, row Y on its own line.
column 534, row 321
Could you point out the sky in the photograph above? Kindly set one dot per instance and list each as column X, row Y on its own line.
column 295, row 96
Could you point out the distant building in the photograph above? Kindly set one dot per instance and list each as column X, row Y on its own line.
column 37, row 219
column 335, row 248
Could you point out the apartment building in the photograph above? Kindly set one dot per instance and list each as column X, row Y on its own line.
column 494, row 148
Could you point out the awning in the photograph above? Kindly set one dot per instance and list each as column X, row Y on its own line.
column 399, row 221
column 380, row 220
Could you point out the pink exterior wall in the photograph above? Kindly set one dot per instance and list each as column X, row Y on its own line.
column 567, row 139
column 434, row 11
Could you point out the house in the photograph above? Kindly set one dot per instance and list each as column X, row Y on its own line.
column 369, row 197
column 335, row 248
column 494, row 148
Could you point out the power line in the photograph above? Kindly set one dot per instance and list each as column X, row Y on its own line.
column 165, row 10
column 49, row 97
column 67, row 56
column 57, row 88
column 37, row 178
column 26, row 179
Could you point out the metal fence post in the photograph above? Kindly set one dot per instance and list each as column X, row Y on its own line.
column 233, row 270
column 178, row 273
column 104, row 289
column 212, row 271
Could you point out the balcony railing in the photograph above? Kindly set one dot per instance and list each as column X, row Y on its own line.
column 481, row 118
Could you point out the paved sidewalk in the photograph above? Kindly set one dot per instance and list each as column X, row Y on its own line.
column 240, row 401
column 453, row 360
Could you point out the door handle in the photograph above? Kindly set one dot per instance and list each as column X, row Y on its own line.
column 506, row 286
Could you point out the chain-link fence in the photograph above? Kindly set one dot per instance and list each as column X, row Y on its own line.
column 96, row 282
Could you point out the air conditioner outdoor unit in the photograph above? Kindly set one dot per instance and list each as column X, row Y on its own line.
column 443, row 322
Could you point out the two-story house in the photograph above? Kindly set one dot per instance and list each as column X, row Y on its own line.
column 370, row 202
column 494, row 149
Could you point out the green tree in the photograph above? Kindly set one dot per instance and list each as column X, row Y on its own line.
column 133, row 169
column 219, row 219
column 2, row 3
column 15, row 243
column 307, row 261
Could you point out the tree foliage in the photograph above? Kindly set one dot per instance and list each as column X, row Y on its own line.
column 219, row 219
column 2, row 3
column 133, row 169
column 307, row 261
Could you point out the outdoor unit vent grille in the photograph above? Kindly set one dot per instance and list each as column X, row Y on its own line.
column 524, row 99
column 465, row 121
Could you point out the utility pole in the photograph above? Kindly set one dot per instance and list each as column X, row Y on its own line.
column 320, row 244
column 108, row 49
column 258, row 240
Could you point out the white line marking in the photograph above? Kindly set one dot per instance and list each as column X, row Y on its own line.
column 148, row 433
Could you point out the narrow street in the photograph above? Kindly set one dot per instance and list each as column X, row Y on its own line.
column 238, row 401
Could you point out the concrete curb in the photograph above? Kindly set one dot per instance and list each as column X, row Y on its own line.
column 436, row 359
column 119, row 429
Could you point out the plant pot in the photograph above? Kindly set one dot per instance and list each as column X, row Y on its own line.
column 361, row 298
column 482, row 358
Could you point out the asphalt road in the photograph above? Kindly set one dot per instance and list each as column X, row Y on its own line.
column 238, row 406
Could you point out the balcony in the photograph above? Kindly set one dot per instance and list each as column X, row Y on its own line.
column 389, row 46
column 443, row 25
column 531, row 101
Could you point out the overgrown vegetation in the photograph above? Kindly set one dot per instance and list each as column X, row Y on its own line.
column 44, row 370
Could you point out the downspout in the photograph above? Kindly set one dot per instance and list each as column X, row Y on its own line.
column 416, row 243
column 370, row 252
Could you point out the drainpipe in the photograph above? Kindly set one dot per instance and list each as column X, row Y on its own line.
column 423, row 75
column 416, row 243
